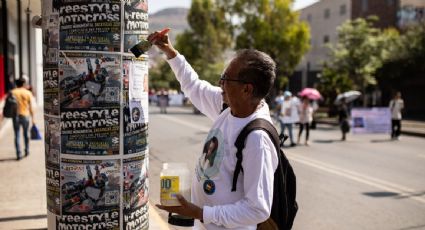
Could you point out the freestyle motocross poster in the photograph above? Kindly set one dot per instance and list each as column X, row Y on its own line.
column 90, row 103
column 90, row 194
column 89, row 80
column 53, row 188
column 136, row 24
column 90, row 25
column 90, row 131
column 135, row 134
column 135, row 193
column 51, row 91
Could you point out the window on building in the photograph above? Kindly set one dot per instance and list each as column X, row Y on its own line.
column 342, row 9
column 364, row 5
column 325, row 39
column 309, row 17
column 327, row 13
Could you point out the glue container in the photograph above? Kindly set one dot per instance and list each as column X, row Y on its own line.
column 175, row 179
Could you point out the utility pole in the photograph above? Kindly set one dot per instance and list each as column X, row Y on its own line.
column 96, row 114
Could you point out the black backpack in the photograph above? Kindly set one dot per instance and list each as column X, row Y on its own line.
column 10, row 108
column 284, row 207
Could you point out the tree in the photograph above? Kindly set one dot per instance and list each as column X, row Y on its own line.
column 408, row 55
column 361, row 50
column 204, row 43
column 272, row 27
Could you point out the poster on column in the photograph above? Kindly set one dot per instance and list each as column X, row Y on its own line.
column 90, row 131
column 53, row 188
column 51, row 91
column 136, row 24
column 90, row 194
column 141, row 76
column 89, row 80
column 135, row 134
column 135, row 197
column 138, row 80
column 89, row 102
column 50, row 40
column 52, row 139
column 90, row 25
column 139, row 109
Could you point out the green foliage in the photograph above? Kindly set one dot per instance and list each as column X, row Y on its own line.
column 333, row 83
column 208, row 38
column 271, row 26
column 203, row 45
column 361, row 50
column 408, row 56
column 161, row 76
column 217, row 25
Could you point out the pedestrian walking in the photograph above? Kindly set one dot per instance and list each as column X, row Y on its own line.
column 163, row 100
column 396, row 106
column 306, row 117
column 343, row 116
column 243, row 86
column 288, row 115
column 24, row 98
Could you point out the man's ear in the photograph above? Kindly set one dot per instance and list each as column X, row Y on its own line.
column 249, row 89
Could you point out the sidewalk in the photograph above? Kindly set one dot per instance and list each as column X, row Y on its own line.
column 23, row 193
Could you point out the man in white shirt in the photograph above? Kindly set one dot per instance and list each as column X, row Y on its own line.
column 243, row 86
column 396, row 106
column 288, row 115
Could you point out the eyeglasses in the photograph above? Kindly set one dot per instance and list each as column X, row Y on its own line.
column 224, row 78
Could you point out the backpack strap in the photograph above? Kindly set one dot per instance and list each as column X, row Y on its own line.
column 256, row 124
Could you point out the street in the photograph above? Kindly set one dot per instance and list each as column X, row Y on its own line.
column 367, row 182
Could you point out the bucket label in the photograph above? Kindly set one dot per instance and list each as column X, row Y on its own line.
column 169, row 187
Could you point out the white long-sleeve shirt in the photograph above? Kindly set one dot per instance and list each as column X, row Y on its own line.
column 251, row 203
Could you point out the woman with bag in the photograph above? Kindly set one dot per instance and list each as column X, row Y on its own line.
column 25, row 113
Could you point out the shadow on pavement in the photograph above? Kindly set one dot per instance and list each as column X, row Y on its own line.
column 381, row 140
column 13, row 218
column 413, row 227
column 394, row 194
column 381, row 194
column 7, row 159
column 329, row 141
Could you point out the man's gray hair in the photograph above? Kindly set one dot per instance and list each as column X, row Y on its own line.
column 258, row 68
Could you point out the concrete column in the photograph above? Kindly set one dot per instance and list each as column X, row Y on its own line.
column 96, row 114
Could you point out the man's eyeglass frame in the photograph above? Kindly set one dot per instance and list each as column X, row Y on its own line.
column 223, row 78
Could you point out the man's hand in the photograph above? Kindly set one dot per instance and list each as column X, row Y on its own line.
column 186, row 209
column 161, row 40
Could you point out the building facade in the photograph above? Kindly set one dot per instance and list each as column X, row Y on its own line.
column 323, row 18
column 19, row 54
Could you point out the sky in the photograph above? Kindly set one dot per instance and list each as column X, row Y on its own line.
column 156, row 5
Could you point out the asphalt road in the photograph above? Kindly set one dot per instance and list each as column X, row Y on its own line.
column 367, row 182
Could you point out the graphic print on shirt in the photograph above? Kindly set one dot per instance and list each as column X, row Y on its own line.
column 212, row 155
